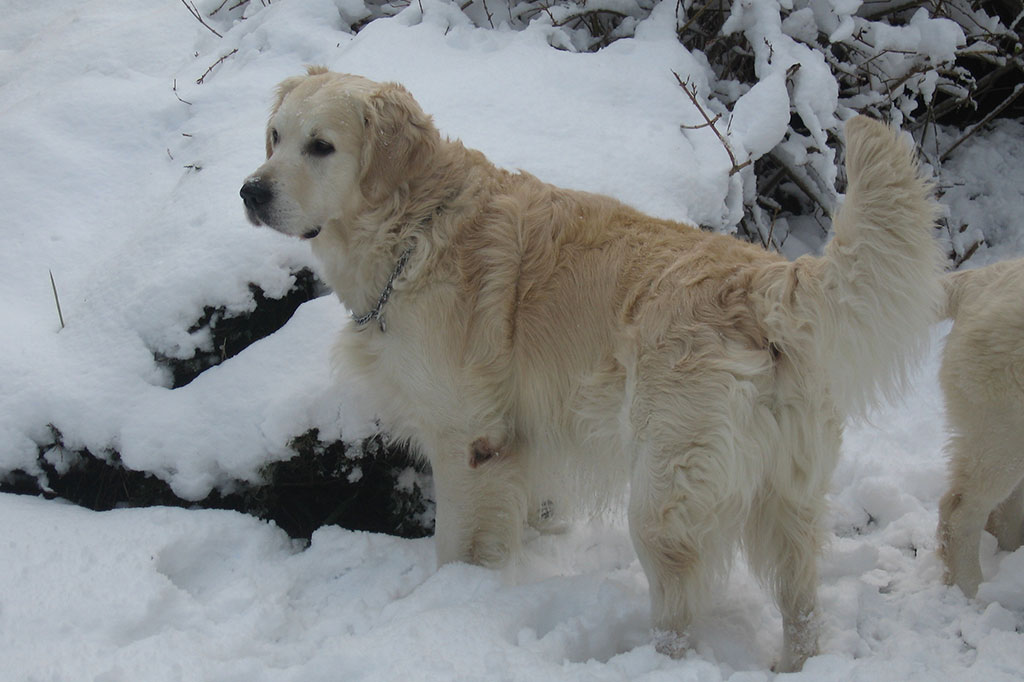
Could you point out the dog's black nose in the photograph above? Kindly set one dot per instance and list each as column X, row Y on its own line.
column 256, row 193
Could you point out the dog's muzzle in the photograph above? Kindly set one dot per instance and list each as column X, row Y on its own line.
column 258, row 196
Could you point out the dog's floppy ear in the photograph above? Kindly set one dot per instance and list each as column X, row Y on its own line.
column 399, row 141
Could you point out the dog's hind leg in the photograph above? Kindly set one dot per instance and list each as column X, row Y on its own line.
column 980, row 482
column 682, row 530
column 783, row 538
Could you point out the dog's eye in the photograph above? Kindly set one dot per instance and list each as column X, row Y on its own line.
column 319, row 147
column 274, row 137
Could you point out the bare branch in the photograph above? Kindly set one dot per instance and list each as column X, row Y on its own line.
column 701, row 125
column 1017, row 91
column 799, row 179
column 709, row 122
column 220, row 7
column 199, row 81
column 191, row 7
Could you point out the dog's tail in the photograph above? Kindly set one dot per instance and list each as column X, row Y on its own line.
column 862, row 311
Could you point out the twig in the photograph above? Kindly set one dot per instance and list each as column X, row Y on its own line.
column 224, row 2
column 959, row 260
column 682, row 29
column 584, row 14
column 219, row 7
column 199, row 81
column 56, row 300
column 887, row 9
column 765, row 189
column 771, row 230
column 698, row 126
column 190, row 6
column 1017, row 91
column 174, row 87
column 801, row 181
column 942, row 108
column 711, row 123
column 755, row 216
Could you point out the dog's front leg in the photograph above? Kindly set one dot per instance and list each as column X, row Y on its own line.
column 481, row 503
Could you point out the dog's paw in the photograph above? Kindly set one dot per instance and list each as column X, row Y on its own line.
column 670, row 643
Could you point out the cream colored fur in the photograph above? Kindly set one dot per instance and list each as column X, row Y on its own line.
column 982, row 377
column 551, row 344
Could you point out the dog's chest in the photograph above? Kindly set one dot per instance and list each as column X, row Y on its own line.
column 414, row 375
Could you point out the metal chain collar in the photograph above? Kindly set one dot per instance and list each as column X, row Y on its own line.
column 378, row 310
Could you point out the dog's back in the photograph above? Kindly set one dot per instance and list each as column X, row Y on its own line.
column 982, row 377
column 968, row 287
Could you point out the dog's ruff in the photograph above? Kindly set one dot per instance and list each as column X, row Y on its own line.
column 551, row 346
column 982, row 378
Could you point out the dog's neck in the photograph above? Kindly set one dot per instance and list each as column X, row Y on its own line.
column 366, row 275
column 411, row 237
column 377, row 312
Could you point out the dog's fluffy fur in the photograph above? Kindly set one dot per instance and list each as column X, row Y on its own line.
column 546, row 344
column 982, row 377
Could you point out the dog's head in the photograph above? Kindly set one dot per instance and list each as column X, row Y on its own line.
column 336, row 144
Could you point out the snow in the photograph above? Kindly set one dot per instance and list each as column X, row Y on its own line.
column 982, row 183
column 120, row 176
column 760, row 117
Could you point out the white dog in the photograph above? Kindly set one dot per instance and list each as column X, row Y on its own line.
column 982, row 378
column 529, row 339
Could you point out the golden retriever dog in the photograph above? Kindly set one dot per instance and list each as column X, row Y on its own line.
column 982, row 378
column 530, row 340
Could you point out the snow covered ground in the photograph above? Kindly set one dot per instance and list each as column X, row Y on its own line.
column 120, row 175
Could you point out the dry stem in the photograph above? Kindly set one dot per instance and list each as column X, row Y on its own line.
column 199, row 81
column 191, row 7
column 56, row 300
column 708, row 121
